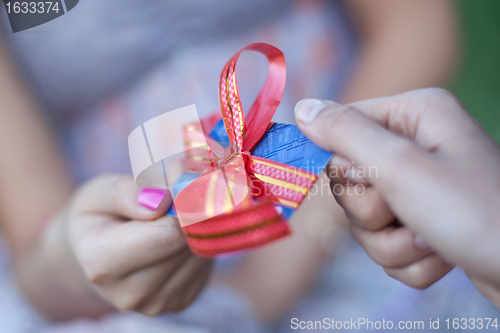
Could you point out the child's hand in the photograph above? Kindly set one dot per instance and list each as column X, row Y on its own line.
column 134, row 258
column 433, row 169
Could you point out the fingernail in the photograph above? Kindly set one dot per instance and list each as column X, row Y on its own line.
column 307, row 109
column 151, row 198
column 420, row 243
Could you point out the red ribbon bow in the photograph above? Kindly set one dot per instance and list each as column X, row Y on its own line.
column 218, row 211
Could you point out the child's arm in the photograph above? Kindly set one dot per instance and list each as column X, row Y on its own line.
column 404, row 45
column 34, row 181
column 98, row 249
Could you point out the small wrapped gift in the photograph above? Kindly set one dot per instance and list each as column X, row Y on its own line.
column 235, row 179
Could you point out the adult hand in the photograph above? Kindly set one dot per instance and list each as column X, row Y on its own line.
column 428, row 184
column 133, row 257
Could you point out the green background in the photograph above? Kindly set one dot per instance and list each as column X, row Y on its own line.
column 477, row 83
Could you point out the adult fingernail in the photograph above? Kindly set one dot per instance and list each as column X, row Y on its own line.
column 151, row 198
column 420, row 243
column 307, row 109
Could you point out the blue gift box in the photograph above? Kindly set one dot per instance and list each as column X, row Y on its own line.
column 282, row 143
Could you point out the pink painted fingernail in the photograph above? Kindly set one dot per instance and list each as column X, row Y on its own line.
column 151, row 198
column 420, row 243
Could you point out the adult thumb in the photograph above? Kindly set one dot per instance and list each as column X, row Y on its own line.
column 351, row 134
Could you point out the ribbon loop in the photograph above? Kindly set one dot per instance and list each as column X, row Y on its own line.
column 247, row 135
column 231, row 207
column 225, row 197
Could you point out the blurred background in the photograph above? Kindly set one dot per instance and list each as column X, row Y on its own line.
column 477, row 82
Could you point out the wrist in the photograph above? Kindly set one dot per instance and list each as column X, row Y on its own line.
column 52, row 280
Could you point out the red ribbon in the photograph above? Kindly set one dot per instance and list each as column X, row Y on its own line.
column 217, row 210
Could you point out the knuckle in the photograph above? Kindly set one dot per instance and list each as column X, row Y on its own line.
column 382, row 254
column 103, row 184
column 118, row 191
column 438, row 97
column 101, row 181
column 120, row 185
column 92, row 266
column 341, row 115
column 438, row 93
column 369, row 214
column 122, row 182
column 173, row 238
column 371, row 210
column 388, row 256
